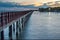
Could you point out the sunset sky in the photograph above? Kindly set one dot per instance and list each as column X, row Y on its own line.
column 28, row 2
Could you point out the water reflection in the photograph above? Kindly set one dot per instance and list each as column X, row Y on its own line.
column 49, row 16
column 43, row 25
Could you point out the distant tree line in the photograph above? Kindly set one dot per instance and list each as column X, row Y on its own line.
column 50, row 9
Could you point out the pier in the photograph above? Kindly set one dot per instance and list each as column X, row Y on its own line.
column 29, row 24
column 13, row 23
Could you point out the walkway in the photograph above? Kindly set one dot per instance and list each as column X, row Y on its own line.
column 42, row 26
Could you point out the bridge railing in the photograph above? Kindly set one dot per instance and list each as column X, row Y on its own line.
column 8, row 17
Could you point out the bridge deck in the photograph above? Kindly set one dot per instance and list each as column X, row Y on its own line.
column 42, row 26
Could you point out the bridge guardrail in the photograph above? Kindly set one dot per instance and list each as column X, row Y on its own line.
column 8, row 17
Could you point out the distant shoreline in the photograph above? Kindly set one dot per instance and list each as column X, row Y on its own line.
column 55, row 9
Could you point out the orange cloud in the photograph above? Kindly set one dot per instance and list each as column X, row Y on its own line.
column 26, row 3
column 36, row 2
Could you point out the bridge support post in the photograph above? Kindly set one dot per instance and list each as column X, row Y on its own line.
column 6, row 33
column 17, row 30
column 2, row 35
column 14, row 31
column 13, row 27
column 10, row 32
column 22, row 23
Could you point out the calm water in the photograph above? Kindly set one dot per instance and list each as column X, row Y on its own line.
column 42, row 25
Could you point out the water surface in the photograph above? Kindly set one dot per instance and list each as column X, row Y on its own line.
column 42, row 25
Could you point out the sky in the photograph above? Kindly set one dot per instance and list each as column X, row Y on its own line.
column 29, row 2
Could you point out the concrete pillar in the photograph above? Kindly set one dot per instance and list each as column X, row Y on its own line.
column 20, row 25
column 13, row 27
column 17, row 26
column 6, row 33
column 22, row 22
column 13, row 31
column 10, row 32
column 17, row 30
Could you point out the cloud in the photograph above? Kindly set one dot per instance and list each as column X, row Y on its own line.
column 28, row 2
column 36, row 2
